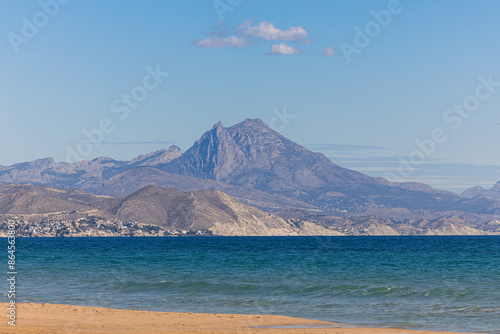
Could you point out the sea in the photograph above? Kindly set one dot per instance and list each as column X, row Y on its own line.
column 424, row 283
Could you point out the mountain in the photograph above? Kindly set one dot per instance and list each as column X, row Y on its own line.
column 206, row 209
column 105, row 176
column 257, row 166
column 86, row 175
column 167, row 207
column 253, row 156
column 493, row 192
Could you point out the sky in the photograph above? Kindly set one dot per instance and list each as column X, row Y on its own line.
column 406, row 90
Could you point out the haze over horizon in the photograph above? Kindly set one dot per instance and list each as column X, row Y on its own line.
column 374, row 86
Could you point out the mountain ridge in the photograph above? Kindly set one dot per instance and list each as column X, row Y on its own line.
column 256, row 165
column 168, row 208
column 493, row 192
column 269, row 162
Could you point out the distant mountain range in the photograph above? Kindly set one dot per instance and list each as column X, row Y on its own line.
column 257, row 166
column 492, row 193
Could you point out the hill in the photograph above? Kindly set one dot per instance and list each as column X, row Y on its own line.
column 166, row 207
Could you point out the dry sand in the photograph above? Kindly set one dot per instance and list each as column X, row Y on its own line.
column 50, row 318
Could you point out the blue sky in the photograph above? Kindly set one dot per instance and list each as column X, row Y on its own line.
column 365, row 80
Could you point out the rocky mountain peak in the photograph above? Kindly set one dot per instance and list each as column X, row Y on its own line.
column 478, row 190
column 254, row 122
column 251, row 144
column 39, row 164
column 472, row 192
column 214, row 156
column 218, row 125
column 496, row 187
column 158, row 157
column 252, row 127
column 102, row 159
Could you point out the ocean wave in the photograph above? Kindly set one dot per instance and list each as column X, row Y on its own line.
column 323, row 291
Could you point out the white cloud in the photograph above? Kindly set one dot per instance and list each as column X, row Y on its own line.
column 283, row 49
column 329, row 52
column 245, row 34
column 268, row 31
column 220, row 42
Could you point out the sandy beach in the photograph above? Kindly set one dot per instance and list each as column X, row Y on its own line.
column 51, row 318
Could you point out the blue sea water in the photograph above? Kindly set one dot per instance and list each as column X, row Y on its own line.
column 432, row 283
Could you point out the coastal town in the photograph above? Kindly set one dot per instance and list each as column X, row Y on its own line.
column 94, row 227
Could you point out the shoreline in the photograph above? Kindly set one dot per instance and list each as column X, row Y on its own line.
column 59, row 318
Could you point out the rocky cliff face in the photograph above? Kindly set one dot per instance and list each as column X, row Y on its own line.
column 214, row 156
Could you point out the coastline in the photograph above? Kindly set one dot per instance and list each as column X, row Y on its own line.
column 57, row 318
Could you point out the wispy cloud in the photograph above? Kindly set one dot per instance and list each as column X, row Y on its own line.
column 268, row 31
column 343, row 147
column 165, row 142
column 377, row 161
column 283, row 49
column 329, row 52
column 438, row 173
column 220, row 42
